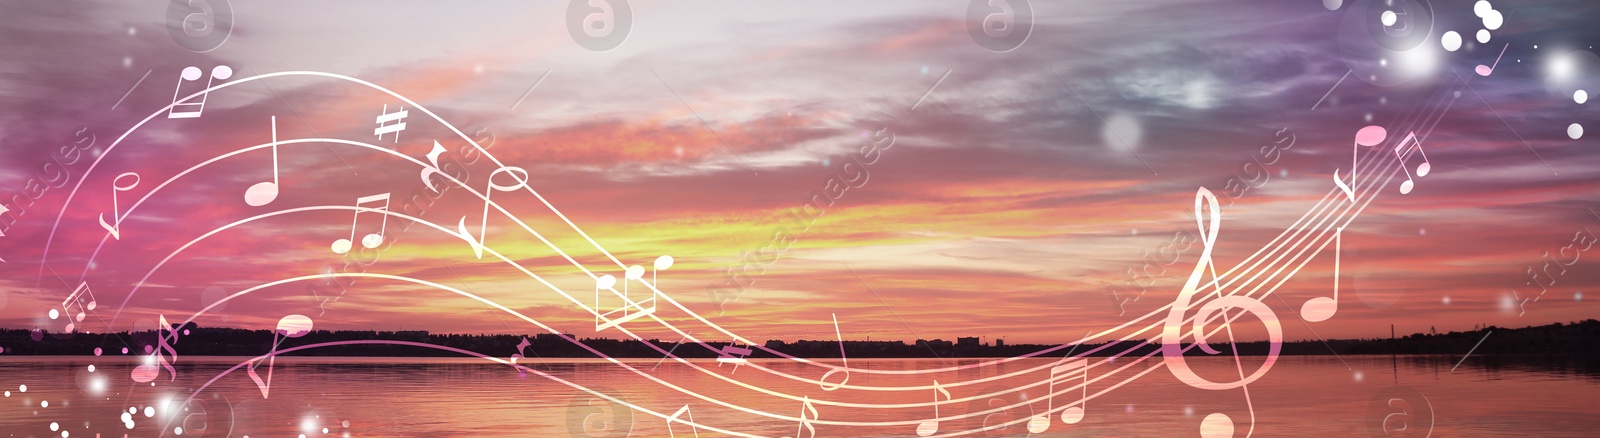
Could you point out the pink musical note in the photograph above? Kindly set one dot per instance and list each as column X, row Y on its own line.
column 148, row 371
column 76, row 300
column 1321, row 308
column 1402, row 150
column 192, row 74
column 1060, row 374
column 805, row 422
column 519, row 175
column 371, row 240
column 682, row 411
column 1368, row 136
column 115, row 226
column 292, row 326
column 931, row 427
column 1485, row 70
column 263, row 193
column 725, row 355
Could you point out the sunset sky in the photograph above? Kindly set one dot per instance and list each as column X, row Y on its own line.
column 1003, row 208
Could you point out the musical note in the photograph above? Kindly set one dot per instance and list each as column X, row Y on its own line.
column 76, row 300
column 1485, row 70
column 846, row 368
column 115, row 226
column 1072, row 414
column 805, row 423
column 1171, row 338
column 1321, row 308
column 263, row 193
column 371, row 240
column 148, row 371
column 932, row 426
column 1402, row 151
column 517, row 174
column 192, row 74
column 681, row 411
column 630, row 309
column 1368, row 136
column 292, row 326
column 384, row 125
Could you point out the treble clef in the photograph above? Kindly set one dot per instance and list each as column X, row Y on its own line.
column 1216, row 424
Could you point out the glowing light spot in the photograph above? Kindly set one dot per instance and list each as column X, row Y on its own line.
column 1388, row 18
column 1580, row 96
column 1446, row 300
column 1575, row 131
column 1451, row 41
column 91, row 368
column 1359, row 376
column 54, row 427
column 1216, row 425
column 44, row 403
column 149, row 411
column 1483, row 35
column 1577, row 296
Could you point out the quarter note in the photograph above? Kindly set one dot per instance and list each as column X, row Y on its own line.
column 115, row 226
column 846, row 359
column 1401, row 150
column 192, row 74
column 932, row 426
column 519, row 175
column 262, row 193
column 1321, row 308
column 76, row 300
column 147, row 372
column 1485, row 70
column 1368, row 136
column 371, row 240
column 682, row 411
column 1058, row 374
column 292, row 326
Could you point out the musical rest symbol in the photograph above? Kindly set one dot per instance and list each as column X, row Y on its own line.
column 519, row 175
column 681, row 411
column 386, row 127
column 115, row 226
column 1401, row 150
column 371, row 240
column 521, row 348
column 1485, row 70
column 263, row 193
column 148, row 371
column 292, row 326
column 1060, row 374
column 76, row 300
column 1321, row 308
column 805, row 422
column 1368, row 136
column 192, row 74
column 932, row 426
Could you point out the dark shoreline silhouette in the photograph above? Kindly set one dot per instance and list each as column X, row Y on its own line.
column 1579, row 339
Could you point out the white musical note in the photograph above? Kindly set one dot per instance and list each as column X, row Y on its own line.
column 517, row 174
column 371, row 240
column 1060, row 374
column 1401, row 150
column 1321, row 308
column 76, row 300
column 630, row 309
column 1368, row 136
column 681, row 411
column 263, row 193
column 931, row 427
column 115, row 226
column 805, row 423
column 148, row 371
column 823, row 382
column 1485, row 70
column 292, row 326
column 192, row 74
column 725, row 355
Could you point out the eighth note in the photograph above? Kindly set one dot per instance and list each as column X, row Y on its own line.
column 292, row 326
column 1072, row 414
column 263, row 193
column 115, row 226
column 1368, row 136
column 76, row 300
column 1402, row 151
column 520, row 176
column 371, row 240
column 932, row 426
column 384, row 125
column 192, row 74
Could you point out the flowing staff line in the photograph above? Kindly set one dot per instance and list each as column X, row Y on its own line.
column 462, row 135
column 1508, row 124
